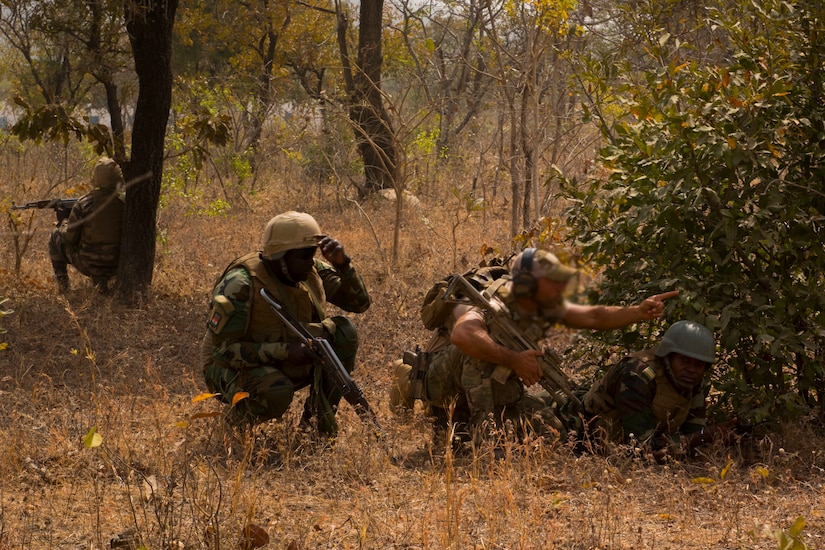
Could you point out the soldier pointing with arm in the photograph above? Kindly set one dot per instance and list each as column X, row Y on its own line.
column 472, row 336
column 460, row 376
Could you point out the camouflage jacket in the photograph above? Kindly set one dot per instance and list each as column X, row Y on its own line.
column 635, row 400
column 243, row 332
column 94, row 227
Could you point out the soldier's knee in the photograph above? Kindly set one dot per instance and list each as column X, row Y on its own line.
column 344, row 339
column 344, row 331
column 440, row 386
column 56, row 252
column 272, row 396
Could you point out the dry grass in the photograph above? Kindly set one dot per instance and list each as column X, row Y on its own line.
column 185, row 482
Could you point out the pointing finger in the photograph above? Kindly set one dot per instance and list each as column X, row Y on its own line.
column 665, row 296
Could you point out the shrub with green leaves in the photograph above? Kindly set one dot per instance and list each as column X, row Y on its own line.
column 713, row 185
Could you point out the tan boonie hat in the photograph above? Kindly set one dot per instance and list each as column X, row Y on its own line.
column 544, row 265
column 107, row 174
column 290, row 231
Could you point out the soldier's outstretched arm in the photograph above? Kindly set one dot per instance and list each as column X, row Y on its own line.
column 613, row 317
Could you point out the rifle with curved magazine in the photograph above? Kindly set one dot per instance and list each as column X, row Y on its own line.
column 325, row 356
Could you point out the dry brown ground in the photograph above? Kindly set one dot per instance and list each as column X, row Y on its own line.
column 181, row 481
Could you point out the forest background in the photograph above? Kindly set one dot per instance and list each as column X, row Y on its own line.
column 655, row 145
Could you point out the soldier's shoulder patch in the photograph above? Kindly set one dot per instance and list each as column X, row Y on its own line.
column 649, row 374
column 221, row 312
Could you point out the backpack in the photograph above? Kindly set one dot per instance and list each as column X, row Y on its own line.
column 435, row 311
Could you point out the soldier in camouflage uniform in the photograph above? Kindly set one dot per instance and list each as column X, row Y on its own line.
column 90, row 238
column 248, row 349
column 459, row 377
column 655, row 399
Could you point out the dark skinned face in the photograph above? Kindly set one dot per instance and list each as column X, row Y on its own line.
column 299, row 262
column 687, row 370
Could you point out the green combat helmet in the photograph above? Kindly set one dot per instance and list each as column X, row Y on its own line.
column 290, row 231
column 688, row 338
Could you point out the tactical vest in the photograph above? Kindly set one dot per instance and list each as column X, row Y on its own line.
column 304, row 301
column 105, row 223
column 670, row 408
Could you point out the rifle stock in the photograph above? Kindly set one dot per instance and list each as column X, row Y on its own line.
column 325, row 356
column 504, row 331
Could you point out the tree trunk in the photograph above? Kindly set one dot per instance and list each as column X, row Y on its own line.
column 115, row 120
column 261, row 107
column 149, row 24
column 103, row 73
column 375, row 134
column 529, row 145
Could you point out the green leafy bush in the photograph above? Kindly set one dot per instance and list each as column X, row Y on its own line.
column 714, row 186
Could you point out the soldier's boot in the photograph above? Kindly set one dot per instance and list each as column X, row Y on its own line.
column 61, row 276
column 101, row 284
column 458, row 432
column 400, row 400
column 317, row 434
column 308, row 422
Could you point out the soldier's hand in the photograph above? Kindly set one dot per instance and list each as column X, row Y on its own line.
column 528, row 368
column 299, row 354
column 654, row 306
column 722, row 432
column 334, row 252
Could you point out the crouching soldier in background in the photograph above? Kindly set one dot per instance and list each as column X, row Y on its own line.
column 247, row 348
column 89, row 239
column 655, row 399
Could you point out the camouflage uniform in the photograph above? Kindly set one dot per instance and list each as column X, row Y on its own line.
column 465, row 384
column 245, row 347
column 636, row 402
column 89, row 239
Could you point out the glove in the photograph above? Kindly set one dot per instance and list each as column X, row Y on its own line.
column 299, row 354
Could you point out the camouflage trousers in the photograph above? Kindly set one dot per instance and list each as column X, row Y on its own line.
column 464, row 385
column 271, row 388
column 98, row 261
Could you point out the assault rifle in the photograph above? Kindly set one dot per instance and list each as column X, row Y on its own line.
column 505, row 332
column 324, row 355
column 62, row 207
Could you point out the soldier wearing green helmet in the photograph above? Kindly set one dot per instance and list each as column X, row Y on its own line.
column 655, row 399
column 248, row 349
